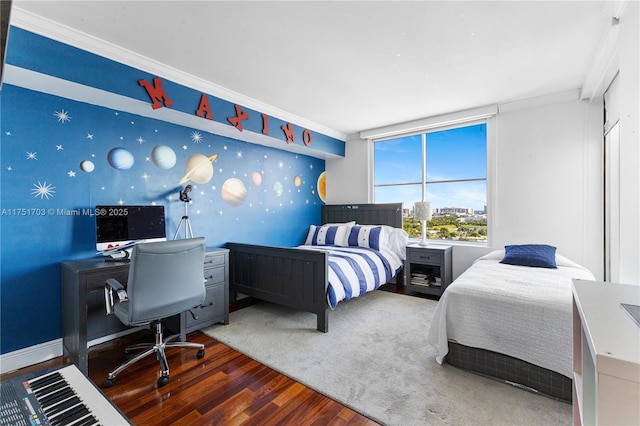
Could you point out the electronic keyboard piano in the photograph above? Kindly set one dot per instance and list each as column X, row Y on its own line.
column 60, row 397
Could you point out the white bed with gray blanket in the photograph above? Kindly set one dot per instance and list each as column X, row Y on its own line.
column 522, row 312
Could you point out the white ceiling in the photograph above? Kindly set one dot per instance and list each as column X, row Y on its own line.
column 355, row 65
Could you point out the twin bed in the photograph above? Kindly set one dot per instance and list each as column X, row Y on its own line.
column 357, row 248
column 511, row 321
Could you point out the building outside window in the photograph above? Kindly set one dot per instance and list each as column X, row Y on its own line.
column 448, row 168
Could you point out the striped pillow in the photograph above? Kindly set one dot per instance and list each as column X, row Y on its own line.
column 371, row 236
column 329, row 234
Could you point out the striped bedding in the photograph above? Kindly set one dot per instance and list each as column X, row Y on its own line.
column 353, row 271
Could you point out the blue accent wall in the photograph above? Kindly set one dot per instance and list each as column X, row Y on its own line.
column 56, row 167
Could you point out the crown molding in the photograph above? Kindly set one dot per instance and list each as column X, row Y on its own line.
column 48, row 28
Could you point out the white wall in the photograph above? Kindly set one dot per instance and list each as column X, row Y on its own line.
column 546, row 182
column 548, row 179
column 629, row 68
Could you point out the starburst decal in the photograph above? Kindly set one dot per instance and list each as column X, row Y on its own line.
column 59, row 148
column 63, row 116
column 89, row 136
column 32, row 155
column 196, row 137
column 239, row 154
column 43, row 190
column 140, row 140
column 71, row 173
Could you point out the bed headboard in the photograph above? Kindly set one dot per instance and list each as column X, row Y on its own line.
column 364, row 214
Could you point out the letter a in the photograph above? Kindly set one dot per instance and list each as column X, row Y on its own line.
column 156, row 93
column 204, row 110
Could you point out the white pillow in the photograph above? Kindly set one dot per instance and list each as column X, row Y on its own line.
column 328, row 234
column 397, row 240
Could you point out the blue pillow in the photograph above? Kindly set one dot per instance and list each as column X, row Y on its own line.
column 535, row 255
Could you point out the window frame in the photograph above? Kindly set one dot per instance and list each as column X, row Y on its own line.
column 489, row 121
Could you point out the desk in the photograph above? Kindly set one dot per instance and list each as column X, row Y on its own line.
column 83, row 309
column 606, row 354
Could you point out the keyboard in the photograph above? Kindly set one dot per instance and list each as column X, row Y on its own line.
column 60, row 397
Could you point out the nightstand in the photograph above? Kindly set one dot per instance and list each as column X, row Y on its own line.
column 427, row 269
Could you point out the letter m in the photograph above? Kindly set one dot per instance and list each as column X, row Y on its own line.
column 156, row 93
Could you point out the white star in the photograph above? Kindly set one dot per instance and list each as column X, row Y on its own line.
column 62, row 115
column 42, row 190
column 59, row 148
column 8, row 133
column 145, row 176
column 147, row 158
column 196, row 137
column 140, row 140
column 184, row 147
column 9, row 168
column 71, row 173
column 32, row 155
column 239, row 154
column 89, row 136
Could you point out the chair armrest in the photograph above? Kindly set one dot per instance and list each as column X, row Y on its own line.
column 113, row 284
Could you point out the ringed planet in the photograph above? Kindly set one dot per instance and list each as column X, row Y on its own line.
column 198, row 168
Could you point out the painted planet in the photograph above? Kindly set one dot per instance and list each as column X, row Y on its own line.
column 278, row 189
column 163, row 156
column 256, row 178
column 198, row 168
column 297, row 181
column 322, row 186
column 120, row 159
column 234, row 192
column 87, row 166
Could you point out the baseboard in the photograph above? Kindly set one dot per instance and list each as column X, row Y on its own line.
column 28, row 356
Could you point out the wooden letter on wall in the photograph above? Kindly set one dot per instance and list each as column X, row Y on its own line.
column 288, row 132
column 204, row 110
column 156, row 93
column 307, row 137
column 265, row 124
column 237, row 120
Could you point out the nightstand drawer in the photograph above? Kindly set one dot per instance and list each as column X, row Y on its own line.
column 431, row 257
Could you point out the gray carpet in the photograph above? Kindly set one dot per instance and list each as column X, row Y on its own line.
column 375, row 360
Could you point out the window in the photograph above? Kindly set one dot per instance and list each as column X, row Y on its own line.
column 446, row 167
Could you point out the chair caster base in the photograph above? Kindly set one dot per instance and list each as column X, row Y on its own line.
column 200, row 353
column 163, row 380
column 107, row 383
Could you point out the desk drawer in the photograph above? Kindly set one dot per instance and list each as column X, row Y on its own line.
column 214, row 276
column 211, row 309
column 431, row 257
column 96, row 281
column 216, row 259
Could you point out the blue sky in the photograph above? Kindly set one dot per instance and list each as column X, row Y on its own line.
column 451, row 154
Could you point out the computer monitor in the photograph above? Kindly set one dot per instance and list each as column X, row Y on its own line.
column 118, row 228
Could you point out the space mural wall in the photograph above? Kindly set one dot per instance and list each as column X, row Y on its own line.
column 61, row 157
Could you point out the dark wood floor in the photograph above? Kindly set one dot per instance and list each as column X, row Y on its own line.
column 224, row 388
